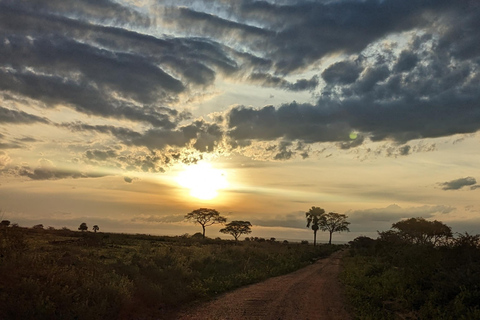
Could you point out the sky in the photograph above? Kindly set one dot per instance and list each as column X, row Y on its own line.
column 129, row 114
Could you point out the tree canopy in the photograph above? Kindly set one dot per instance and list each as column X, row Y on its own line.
column 205, row 217
column 333, row 222
column 237, row 228
column 419, row 231
column 83, row 226
column 313, row 218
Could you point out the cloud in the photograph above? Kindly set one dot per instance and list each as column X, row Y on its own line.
column 100, row 155
column 158, row 219
column 459, row 184
column 268, row 80
column 292, row 220
column 109, row 60
column 394, row 213
column 343, row 72
column 19, row 117
column 4, row 159
column 48, row 171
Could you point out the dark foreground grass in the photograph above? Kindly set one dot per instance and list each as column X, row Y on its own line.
column 72, row 275
column 389, row 281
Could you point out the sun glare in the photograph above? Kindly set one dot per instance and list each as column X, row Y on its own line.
column 202, row 180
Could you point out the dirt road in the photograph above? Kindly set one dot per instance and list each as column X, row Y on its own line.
column 311, row 293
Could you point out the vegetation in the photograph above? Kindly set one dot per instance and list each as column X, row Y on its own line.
column 313, row 218
column 63, row 274
column 95, row 228
column 237, row 228
column 83, row 227
column 333, row 222
column 419, row 231
column 416, row 270
column 205, row 217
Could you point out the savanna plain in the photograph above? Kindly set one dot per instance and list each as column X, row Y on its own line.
column 64, row 274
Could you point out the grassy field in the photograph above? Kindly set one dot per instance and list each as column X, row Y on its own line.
column 405, row 281
column 61, row 274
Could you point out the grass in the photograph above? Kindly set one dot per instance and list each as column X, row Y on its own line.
column 59, row 274
column 391, row 281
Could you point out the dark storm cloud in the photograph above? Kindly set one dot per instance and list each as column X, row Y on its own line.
column 315, row 29
column 406, row 61
column 343, row 72
column 19, row 117
column 100, row 70
column 291, row 121
column 108, row 60
column 458, row 183
column 104, row 10
column 411, row 101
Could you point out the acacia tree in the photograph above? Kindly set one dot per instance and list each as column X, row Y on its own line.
column 313, row 218
column 205, row 217
column 83, row 227
column 237, row 228
column 333, row 222
column 95, row 228
column 421, row 231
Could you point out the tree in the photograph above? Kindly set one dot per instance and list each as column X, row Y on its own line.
column 5, row 223
column 205, row 217
column 421, row 231
column 38, row 226
column 313, row 217
column 95, row 228
column 83, row 227
column 333, row 222
column 237, row 228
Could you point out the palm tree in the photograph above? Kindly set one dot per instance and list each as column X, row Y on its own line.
column 95, row 228
column 313, row 218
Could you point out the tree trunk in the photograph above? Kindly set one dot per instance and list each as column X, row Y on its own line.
column 314, row 238
column 330, row 240
column 203, row 227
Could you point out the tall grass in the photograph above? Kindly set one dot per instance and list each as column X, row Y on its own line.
column 404, row 281
column 73, row 275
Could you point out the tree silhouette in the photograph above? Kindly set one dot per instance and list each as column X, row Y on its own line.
column 205, row 217
column 313, row 217
column 5, row 223
column 419, row 231
column 95, row 228
column 237, row 228
column 333, row 222
column 83, row 227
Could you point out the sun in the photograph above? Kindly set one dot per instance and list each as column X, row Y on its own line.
column 203, row 180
